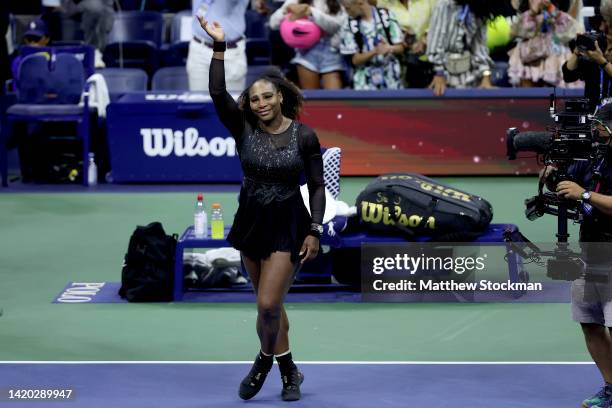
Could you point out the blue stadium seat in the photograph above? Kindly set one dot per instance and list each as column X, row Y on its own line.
column 122, row 80
column 257, row 39
column 49, row 88
column 135, row 40
column 176, row 53
column 170, row 79
column 175, row 26
column 84, row 53
column 137, row 26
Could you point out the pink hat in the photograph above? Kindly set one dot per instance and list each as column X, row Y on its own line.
column 302, row 33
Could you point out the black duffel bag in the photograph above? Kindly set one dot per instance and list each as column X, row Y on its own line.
column 411, row 205
column 148, row 269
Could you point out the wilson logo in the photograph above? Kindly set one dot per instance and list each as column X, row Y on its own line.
column 374, row 213
column 166, row 142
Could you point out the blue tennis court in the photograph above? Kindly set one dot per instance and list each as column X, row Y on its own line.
column 329, row 384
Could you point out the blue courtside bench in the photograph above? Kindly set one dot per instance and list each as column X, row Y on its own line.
column 493, row 235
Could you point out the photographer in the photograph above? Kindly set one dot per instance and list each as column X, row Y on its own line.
column 591, row 298
column 593, row 66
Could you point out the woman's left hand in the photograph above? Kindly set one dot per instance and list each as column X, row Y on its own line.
column 310, row 248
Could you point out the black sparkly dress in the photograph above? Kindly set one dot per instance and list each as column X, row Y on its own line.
column 271, row 214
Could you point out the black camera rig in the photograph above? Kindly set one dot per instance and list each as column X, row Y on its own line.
column 572, row 138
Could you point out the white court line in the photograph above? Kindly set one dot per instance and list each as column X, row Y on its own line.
column 319, row 362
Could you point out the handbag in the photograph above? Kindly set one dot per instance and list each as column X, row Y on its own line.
column 458, row 63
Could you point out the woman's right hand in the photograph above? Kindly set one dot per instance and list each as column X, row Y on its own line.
column 214, row 30
column 438, row 85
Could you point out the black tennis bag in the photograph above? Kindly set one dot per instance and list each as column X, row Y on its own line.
column 148, row 270
column 412, row 205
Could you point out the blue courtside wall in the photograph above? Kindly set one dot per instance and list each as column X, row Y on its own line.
column 177, row 136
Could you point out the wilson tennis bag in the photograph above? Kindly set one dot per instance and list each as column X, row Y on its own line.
column 148, row 270
column 411, row 205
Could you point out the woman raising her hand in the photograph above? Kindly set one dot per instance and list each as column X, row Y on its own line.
column 272, row 228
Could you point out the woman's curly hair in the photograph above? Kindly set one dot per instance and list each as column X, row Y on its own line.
column 293, row 100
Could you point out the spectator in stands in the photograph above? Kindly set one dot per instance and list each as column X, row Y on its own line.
column 96, row 18
column 37, row 35
column 572, row 7
column 413, row 17
column 320, row 65
column 373, row 39
column 457, row 43
column 544, row 32
column 280, row 53
column 230, row 14
column 593, row 66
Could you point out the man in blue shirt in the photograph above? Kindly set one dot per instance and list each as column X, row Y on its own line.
column 231, row 15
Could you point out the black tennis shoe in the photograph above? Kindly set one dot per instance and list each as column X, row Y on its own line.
column 291, row 385
column 252, row 383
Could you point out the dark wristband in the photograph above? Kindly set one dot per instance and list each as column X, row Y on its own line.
column 219, row 46
column 315, row 234
column 316, row 230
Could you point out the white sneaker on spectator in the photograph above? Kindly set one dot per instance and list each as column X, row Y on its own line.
column 98, row 61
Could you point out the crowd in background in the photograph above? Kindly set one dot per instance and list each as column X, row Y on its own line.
column 364, row 44
column 392, row 44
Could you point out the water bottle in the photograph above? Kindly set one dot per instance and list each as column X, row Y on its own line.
column 217, row 228
column 92, row 171
column 200, row 221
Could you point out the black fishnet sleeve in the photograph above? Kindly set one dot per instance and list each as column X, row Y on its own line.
column 229, row 113
column 313, row 168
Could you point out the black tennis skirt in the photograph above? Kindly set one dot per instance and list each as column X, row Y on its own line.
column 270, row 218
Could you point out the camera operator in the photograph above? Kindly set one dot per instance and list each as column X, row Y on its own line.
column 593, row 66
column 591, row 299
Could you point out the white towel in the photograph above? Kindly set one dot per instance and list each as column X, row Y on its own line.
column 99, row 97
